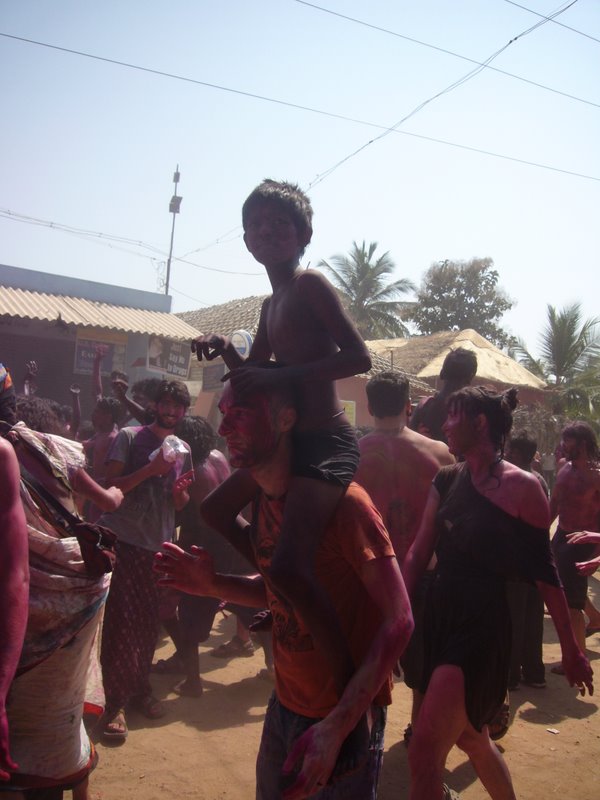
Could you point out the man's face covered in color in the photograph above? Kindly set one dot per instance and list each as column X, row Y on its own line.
column 248, row 427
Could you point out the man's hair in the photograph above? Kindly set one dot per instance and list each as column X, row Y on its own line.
column 177, row 390
column 460, row 366
column 63, row 412
column 37, row 414
column 117, row 375
column 583, row 433
column 387, row 393
column 289, row 197
column 525, row 445
column 147, row 387
column 111, row 406
column 200, row 435
column 286, row 392
column 496, row 408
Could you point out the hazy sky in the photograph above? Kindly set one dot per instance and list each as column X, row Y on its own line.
column 92, row 146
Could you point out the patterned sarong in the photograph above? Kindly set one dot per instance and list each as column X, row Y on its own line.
column 130, row 630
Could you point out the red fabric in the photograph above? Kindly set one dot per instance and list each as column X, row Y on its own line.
column 356, row 535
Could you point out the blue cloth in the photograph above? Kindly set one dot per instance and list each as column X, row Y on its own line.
column 281, row 729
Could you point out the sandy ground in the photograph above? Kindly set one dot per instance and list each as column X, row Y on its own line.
column 205, row 748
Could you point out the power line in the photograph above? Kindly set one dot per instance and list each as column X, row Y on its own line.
column 467, row 77
column 107, row 239
column 448, row 52
column 311, row 110
column 562, row 24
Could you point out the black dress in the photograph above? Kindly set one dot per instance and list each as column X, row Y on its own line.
column 467, row 620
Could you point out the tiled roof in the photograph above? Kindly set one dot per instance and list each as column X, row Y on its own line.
column 23, row 304
column 236, row 315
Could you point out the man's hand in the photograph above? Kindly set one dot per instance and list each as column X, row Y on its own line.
column 210, row 346
column 159, row 465
column 100, row 351
column 578, row 671
column 193, row 572
column 317, row 749
column 181, row 495
column 120, row 387
column 588, row 567
column 75, row 389
column 116, row 496
column 583, row 537
column 7, row 765
column 31, row 369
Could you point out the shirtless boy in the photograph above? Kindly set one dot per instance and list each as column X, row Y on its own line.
column 305, row 327
column 576, row 502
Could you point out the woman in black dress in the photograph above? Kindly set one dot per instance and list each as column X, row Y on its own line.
column 487, row 521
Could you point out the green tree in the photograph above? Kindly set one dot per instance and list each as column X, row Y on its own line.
column 455, row 295
column 569, row 359
column 371, row 301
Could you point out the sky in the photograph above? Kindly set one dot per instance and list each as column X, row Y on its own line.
column 289, row 90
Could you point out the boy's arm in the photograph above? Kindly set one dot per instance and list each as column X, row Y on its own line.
column 135, row 409
column 76, row 406
column 101, row 351
column 106, row 499
column 319, row 746
column 222, row 511
column 14, row 588
column 194, row 573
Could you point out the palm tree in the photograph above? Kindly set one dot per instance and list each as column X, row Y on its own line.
column 569, row 358
column 370, row 301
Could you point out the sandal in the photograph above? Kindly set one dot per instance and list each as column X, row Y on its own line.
column 234, row 648
column 149, row 706
column 408, row 732
column 168, row 666
column 115, row 730
column 498, row 727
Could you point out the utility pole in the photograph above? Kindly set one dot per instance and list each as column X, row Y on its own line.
column 174, row 207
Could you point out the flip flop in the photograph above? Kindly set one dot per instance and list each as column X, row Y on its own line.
column 149, row 706
column 557, row 670
column 168, row 666
column 591, row 630
column 115, row 730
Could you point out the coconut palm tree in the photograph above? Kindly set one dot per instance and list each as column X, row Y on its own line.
column 569, row 357
column 362, row 281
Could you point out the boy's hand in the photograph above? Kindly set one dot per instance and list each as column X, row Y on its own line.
column 75, row 388
column 210, row 346
column 159, row 465
column 189, row 572
column 248, row 380
column 181, row 486
column 100, row 350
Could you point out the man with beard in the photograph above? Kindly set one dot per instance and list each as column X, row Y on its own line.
column 154, row 489
column 576, row 502
column 308, row 717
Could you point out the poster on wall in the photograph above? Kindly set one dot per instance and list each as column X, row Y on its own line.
column 168, row 357
column 87, row 344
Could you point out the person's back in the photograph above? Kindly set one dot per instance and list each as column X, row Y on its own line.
column 397, row 469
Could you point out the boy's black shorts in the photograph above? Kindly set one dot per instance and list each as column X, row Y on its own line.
column 330, row 455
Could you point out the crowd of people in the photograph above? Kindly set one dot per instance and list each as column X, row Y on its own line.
column 423, row 547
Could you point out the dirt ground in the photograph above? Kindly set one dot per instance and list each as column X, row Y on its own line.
column 205, row 748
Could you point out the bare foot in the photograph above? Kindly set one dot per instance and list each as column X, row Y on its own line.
column 189, row 688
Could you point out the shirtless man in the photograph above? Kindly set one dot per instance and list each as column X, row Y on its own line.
column 396, row 468
column 576, row 502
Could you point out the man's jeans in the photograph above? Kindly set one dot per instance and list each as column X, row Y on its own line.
column 281, row 729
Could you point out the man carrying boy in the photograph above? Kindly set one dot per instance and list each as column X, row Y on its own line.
column 305, row 327
column 308, row 717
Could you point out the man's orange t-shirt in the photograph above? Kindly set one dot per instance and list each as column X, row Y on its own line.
column 355, row 535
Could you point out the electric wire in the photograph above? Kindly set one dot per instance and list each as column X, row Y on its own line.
column 311, row 110
column 449, row 52
column 454, row 85
column 562, row 24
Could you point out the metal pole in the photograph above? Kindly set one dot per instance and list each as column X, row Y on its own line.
column 174, row 206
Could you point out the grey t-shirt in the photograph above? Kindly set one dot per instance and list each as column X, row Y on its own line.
column 146, row 517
